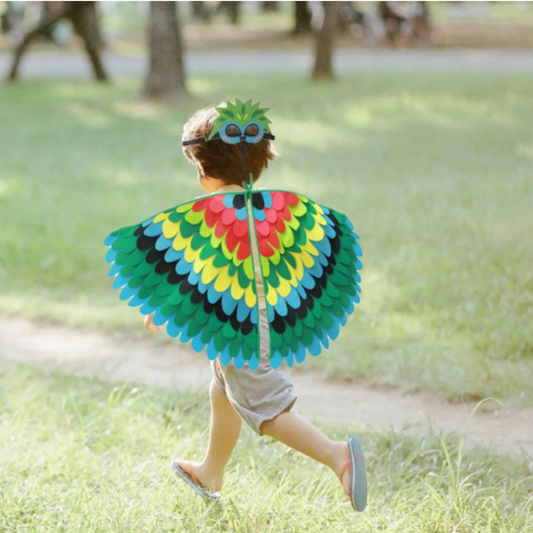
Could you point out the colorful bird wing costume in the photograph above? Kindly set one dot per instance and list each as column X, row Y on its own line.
column 310, row 262
column 192, row 266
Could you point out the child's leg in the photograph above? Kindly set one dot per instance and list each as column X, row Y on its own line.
column 223, row 435
column 298, row 433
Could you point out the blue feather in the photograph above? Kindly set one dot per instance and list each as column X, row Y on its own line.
column 109, row 240
column 212, row 352
column 228, row 200
column 293, row 299
column 225, row 357
column 115, row 269
column 242, row 310
column 110, row 255
column 300, row 353
column 229, row 304
column 182, row 267
column 172, row 329
column 253, row 315
column 333, row 332
column 239, row 361
column 307, row 281
column 281, row 307
column 315, row 347
column 163, row 243
column 127, row 293
column 197, row 343
column 160, row 319
column 276, row 360
column 153, row 230
column 173, row 255
column 213, row 296
column 253, row 363
column 119, row 281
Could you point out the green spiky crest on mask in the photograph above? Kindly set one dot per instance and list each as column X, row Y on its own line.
column 240, row 113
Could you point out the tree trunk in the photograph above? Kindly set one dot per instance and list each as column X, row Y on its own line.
column 234, row 12
column 166, row 75
column 84, row 19
column 200, row 11
column 43, row 26
column 269, row 6
column 323, row 67
column 302, row 19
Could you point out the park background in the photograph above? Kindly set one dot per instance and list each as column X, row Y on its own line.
column 417, row 124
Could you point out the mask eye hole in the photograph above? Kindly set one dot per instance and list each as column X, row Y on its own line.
column 252, row 130
column 233, row 131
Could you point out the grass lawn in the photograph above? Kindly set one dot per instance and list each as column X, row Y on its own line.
column 435, row 171
column 83, row 455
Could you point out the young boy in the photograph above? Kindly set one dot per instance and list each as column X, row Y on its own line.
column 263, row 397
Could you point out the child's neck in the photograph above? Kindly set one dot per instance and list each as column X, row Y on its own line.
column 212, row 185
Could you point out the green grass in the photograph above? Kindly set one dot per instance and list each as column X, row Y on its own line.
column 435, row 171
column 83, row 455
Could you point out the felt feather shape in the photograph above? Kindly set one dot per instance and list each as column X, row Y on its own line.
column 192, row 266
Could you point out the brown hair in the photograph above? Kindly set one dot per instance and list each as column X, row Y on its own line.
column 221, row 160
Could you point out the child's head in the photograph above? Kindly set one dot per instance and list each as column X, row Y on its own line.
column 217, row 160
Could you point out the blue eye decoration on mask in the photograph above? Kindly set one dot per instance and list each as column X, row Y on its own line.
column 233, row 133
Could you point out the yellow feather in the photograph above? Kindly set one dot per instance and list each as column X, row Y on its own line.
column 210, row 272
column 160, row 217
column 195, row 217
column 249, row 297
column 206, row 231
column 236, row 290
column 170, row 229
column 288, row 237
column 184, row 208
column 223, row 281
column 271, row 295
column 191, row 255
column 284, row 288
column 316, row 234
column 265, row 266
column 249, row 267
column 298, row 210
column 180, row 243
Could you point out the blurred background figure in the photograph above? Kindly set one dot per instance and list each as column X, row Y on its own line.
column 405, row 22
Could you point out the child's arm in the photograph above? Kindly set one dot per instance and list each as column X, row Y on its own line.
column 149, row 324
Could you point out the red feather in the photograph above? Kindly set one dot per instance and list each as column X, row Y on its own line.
column 217, row 204
column 244, row 250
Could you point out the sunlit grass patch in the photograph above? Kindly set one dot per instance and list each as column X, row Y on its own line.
column 83, row 455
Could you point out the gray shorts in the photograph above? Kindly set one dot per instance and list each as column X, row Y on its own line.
column 256, row 395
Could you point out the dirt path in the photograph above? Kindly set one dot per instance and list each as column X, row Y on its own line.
column 72, row 64
column 141, row 360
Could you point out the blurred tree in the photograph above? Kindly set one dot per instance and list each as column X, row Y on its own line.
column 46, row 12
column 166, row 74
column 269, row 6
column 84, row 18
column 323, row 67
column 201, row 11
column 302, row 18
column 233, row 10
column 6, row 19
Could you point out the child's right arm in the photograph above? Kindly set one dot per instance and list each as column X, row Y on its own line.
column 149, row 324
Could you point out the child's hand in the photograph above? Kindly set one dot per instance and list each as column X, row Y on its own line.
column 149, row 324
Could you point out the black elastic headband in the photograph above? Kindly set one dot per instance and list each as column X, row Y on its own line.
column 206, row 138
